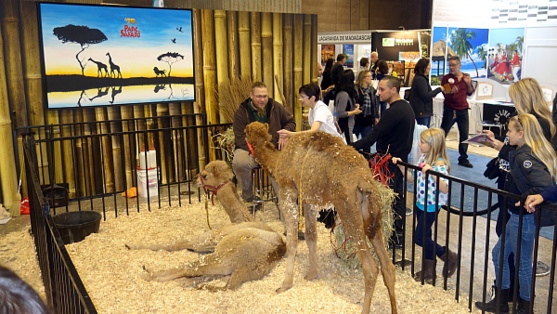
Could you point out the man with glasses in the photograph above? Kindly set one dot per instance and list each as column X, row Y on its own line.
column 258, row 107
column 456, row 86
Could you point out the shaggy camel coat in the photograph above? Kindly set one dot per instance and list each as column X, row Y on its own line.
column 319, row 169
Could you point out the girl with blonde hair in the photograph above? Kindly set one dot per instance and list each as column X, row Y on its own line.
column 532, row 169
column 434, row 157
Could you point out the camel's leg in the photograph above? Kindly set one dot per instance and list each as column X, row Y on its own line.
column 287, row 199
column 387, row 267
column 202, row 243
column 353, row 223
column 213, row 266
column 311, row 240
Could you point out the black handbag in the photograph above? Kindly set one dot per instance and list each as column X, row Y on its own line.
column 492, row 169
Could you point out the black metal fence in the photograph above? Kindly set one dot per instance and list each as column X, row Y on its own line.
column 64, row 289
column 71, row 163
column 74, row 159
column 466, row 225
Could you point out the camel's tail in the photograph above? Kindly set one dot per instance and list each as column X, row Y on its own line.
column 371, row 208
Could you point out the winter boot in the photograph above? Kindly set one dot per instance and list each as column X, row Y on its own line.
column 428, row 271
column 492, row 307
column 450, row 258
column 524, row 307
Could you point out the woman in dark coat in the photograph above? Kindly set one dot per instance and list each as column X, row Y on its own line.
column 421, row 95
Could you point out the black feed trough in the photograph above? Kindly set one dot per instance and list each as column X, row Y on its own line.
column 75, row 226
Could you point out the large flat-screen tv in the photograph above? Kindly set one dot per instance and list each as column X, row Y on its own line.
column 98, row 55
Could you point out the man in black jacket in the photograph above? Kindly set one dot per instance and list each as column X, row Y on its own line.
column 338, row 68
column 393, row 135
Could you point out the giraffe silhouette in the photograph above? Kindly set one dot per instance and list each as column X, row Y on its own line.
column 100, row 93
column 114, row 69
column 115, row 92
column 100, row 67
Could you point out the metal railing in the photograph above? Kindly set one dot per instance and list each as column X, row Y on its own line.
column 473, row 237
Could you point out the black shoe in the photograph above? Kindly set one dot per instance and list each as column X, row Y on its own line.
column 491, row 306
column 465, row 163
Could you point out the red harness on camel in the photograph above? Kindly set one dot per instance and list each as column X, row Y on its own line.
column 380, row 169
column 211, row 190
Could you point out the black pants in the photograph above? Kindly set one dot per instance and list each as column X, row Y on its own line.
column 450, row 116
column 399, row 208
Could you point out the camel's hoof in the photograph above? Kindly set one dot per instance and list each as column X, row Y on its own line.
column 283, row 289
column 311, row 276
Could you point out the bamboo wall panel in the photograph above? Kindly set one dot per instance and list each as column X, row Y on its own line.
column 8, row 175
column 255, row 27
column 209, row 76
column 221, row 49
column 232, row 28
column 288, row 21
column 267, row 50
column 277, row 57
column 298, row 66
column 245, row 50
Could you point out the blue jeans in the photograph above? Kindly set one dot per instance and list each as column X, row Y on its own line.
column 424, row 121
column 450, row 116
column 524, row 265
column 431, row 248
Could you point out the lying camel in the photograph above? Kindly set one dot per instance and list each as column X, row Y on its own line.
column 319, row 169
column 215, row 179
column 243, row 251
column 243, row 255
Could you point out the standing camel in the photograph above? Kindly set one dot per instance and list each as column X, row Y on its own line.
column 100, row 67
column 114, row 69
column 319, row 169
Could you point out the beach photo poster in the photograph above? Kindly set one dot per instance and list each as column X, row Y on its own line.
column 348, row 50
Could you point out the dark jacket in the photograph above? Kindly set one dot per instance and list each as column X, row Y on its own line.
column 277, row 118
column 528, row 175
column 336, row 72
column 393, row 133
column 421, row 96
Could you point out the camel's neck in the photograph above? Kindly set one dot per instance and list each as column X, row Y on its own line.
column 267, row 155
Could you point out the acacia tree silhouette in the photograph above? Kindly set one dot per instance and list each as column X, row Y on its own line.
column 170, row 58
column 82, row 35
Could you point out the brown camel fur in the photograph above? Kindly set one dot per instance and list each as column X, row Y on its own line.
column 215, row 178
column 319, row 169
column 243, row 255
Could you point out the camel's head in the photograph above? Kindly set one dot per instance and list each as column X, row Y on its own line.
column 215, row 173
column 257, row 133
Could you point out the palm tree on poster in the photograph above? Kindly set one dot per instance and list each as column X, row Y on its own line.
column 519, row 41
column 462, row 46
column 482, row 53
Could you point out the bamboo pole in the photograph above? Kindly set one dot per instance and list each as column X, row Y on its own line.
column 177, row 141
column 288, row 61
column 309, row 61
column 315, row 57
column 90, row 148
column 162, row 111
column 298, row 71
column 32, row 64
column 267, row 47
column 277, row 54
column 209, row 79
column 105, row 152
column 245, row 50
column 233, row 68
column 255, row 22
column 115, row 141
column 221, row 53
column 16, row 87
column 128, row 140
column 200, row 94
column 8, row 175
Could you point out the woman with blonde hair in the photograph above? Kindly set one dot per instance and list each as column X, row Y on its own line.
column 527, row 96
column 533, row 167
